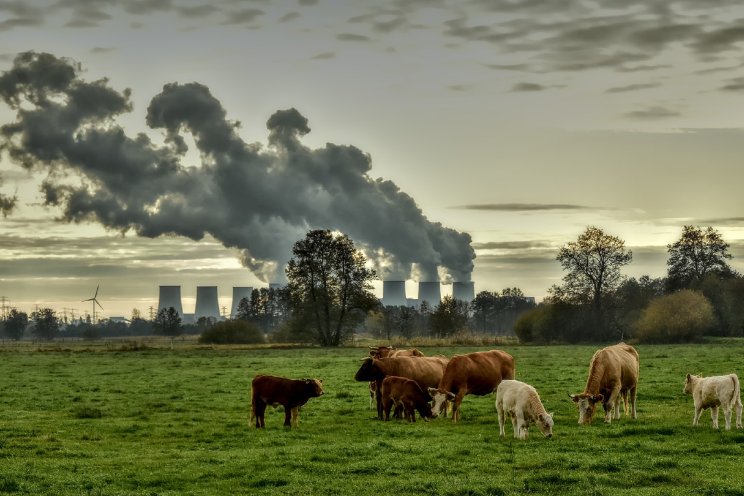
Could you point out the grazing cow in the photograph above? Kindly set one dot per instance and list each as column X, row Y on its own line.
column 385, row 352
column 405, row 395
column 275, row 391
column 712, row 392
column 521, row 402
column 391, row 351
column 427, row 371
column 613, row 374
column 476, row 373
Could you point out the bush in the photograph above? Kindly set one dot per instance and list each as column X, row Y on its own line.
column 558, row 323
column 678, row 317
column 232, row 332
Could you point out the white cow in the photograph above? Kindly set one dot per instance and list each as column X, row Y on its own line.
column 712, row 392
column 521, row 402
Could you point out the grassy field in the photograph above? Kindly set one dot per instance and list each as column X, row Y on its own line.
column 175, row 421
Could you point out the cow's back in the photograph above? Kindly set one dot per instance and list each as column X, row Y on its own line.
column 616, row 364
column 479, row 372
column 426, row 371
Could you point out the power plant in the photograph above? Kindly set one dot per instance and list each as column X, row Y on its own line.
column 463, row 291
column 206, row 303
column 430, row 292
column 394, row 293
column 239, row 292
column 170, row 296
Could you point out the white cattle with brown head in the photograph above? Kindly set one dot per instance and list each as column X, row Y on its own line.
column 522, row 404
column 613, row 374
column 713, row 392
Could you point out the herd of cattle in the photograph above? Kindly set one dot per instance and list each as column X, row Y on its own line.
column 406, row 382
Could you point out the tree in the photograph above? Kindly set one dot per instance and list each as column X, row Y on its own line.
column 15, row 324
column 682, row 316
column 499, row 312
column 593, row 263
column 267, row 307
column 167, row 322
column 329, row 285
column 46, row 323
column 236, row 331
column 401, row 321
column 696, row 254
column 449, row 317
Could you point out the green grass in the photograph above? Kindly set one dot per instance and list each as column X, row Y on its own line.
column 175, row 421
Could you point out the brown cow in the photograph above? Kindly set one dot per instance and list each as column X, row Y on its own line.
column 406, row 395
column 478, row 373
column 275, row 391
column 382, row 351
column 613, row 373
column 427, row 371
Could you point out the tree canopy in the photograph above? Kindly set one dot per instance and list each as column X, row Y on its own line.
column 329, row 285
column 167, row 322
column 695, row 255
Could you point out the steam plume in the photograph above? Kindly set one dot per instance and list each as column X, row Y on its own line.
column 257, row 199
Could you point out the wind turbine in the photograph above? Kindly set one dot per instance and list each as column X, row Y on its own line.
column 95, row 302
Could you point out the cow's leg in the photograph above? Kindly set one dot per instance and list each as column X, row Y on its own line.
column 609, row 406
column 738, row 413
column 633, row 392
column 500, row 412
column 714, row 416
column 378, row 397
column 411, row 413
column 371, row 394
column 727, row 416
column 456, row 405
column 515, row 427
column 522, row 424
column 260, row 410
column 387, row 405
column 696, row 416
column 296, row 416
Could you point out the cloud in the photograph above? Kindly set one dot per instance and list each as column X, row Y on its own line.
column 722, row 222
column 290, row 16
column 352, row 37
column 632, row 87
column 197, row 11
column 244, row 16
column 652, row 112
column 526, row 87
column 101, row 50
column 512, row 245
column 522, row 207
column 324, row 56
column 735, row 84
column 257, row 200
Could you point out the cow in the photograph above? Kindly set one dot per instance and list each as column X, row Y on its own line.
column 391, row 351
column 613, row 374
column 385, row 352
column 521, row 402
column 426, row 371
column 712, row 392
column 476, row 373
column 275, row 391
column 405, row 395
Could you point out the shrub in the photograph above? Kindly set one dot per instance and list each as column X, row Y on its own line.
column 232, row 332
column 678, row 317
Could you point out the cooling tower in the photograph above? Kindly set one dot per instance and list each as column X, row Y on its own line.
column 206, row 303
column 394, row 293
column 170, row 296
column 430, row 292
column 463, row 291
column 238, row 294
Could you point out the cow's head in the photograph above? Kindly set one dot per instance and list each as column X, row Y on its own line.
column 380, row 351
column 368, row 371
column 587, row 403
column 315, row 387
column 440, row 399
column 689, row 383
column 545, row 424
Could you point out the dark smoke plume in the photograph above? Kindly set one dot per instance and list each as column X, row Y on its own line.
column 257, row 199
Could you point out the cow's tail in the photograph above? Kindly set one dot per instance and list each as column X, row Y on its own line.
column 737, row 398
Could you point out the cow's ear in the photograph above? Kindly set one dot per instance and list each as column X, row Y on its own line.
column 574, row 397
column 688, row 377
column 432, row 391
column 551, row 415
column 597, row 398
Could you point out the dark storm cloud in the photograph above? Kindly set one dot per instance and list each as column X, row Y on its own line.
column 522, row 207
column 527, row 87
column 7, row 204
column 652, row 112
column 632, row 87
column 258, row 200
column 736, row 84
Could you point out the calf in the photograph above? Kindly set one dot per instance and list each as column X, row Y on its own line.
column 406, row 395
column 521, row 402
column 275, row 391
column 712, row 392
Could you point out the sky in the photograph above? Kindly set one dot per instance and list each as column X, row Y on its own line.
column 171, row 142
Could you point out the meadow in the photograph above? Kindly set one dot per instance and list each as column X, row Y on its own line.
column 76, row 420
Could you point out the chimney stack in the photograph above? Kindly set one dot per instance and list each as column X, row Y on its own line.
column 206, row 303
column 463, row 291
column 239, row 292
column 394, row 293
column 170, row 296
column 430, row 292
